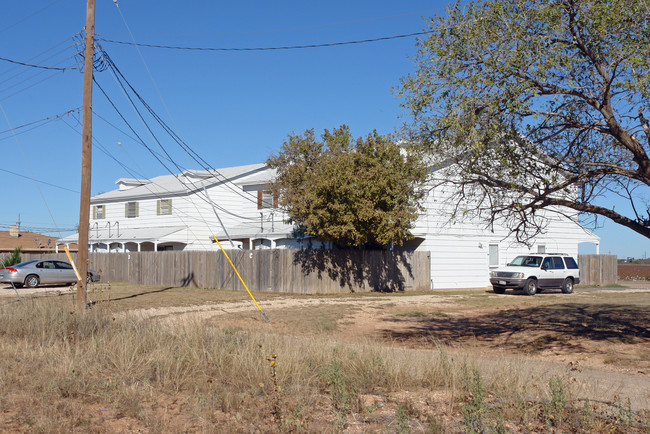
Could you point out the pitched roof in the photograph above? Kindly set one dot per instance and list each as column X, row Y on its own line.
column 177, row 184
column 27, row 241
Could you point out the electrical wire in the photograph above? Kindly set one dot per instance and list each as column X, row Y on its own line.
column 31, row 171
column 288, row 47
column 134, row 174
column 248, row 196
column 42, row 121
column 39, row 181
column 291, row 29
column 24, row 71
column 36, row 66
column 29, row 16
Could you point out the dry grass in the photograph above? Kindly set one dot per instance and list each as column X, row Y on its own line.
column 94, row 371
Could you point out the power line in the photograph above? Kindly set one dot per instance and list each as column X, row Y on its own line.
column 36, row 180
column 36, row 66
column 44, row 120
column 289, row 47
column 174, row 136
column 290, row 29
column 29, row 16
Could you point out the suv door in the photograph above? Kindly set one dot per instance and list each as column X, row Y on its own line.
column 553, row 271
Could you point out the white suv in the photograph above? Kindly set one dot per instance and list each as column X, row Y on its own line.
column 535, row 272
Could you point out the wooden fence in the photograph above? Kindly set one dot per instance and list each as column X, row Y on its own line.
column 279, row 270
column 597, row 269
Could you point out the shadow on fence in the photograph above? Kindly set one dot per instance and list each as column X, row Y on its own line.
column 382, row 271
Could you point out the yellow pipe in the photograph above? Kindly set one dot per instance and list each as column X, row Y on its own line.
column 74, row 267
column 240, row 278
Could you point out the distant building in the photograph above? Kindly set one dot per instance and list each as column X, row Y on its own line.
column 29, row 242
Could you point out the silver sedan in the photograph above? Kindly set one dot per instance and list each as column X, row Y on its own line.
column 42, row 271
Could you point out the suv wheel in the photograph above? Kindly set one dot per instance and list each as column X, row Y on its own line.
column 567, row 286
column 530, row 288
column 498, row 289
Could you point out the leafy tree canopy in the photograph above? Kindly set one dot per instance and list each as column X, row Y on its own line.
column 543, row 105
column 352, row 192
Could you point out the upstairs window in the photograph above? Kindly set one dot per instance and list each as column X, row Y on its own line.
column 131, row 210
column 266, row 199
column 165, row 207
column 99, row 212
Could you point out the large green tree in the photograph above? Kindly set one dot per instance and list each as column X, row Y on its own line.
column 542, row 104
column 362, row 192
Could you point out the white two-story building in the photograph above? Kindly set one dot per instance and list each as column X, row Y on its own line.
column 184, row 211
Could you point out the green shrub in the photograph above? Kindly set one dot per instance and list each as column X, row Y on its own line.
column 12, row 259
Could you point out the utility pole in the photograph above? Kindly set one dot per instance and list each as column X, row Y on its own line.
column 86, row 155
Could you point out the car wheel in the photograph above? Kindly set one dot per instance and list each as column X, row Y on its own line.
column 32, row 281
column 530, row 288
column 567, row 286
column 498, row 289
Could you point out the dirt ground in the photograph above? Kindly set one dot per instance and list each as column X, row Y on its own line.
column 600, row 338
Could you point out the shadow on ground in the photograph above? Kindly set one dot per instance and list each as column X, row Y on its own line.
column 529, row 329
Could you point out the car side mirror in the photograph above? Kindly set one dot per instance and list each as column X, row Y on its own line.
column 544, row 266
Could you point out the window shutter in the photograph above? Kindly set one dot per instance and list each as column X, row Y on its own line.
column 137, row 209
column 95, row 212
column 158, row 207
column 126, row 210
column 169, row 206
column 260, row 193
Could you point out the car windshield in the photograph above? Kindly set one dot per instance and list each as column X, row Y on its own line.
column 22, row 264
column 527, row 261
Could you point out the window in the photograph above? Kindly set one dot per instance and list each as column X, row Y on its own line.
column 571, row 263
column 558, row 264
column 266, row 199
column 493, row 253
column 131, row 210
column 99, row 212
column 62, row 265
column 165, row 207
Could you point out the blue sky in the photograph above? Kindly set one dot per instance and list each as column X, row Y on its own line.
column 232, row 108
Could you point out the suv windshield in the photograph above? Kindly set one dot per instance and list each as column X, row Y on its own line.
column 527, row 261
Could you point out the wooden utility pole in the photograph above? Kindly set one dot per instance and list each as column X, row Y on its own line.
column 86, row 154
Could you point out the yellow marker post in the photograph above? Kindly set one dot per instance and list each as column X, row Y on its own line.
column 74, row 267
column 266, row 318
